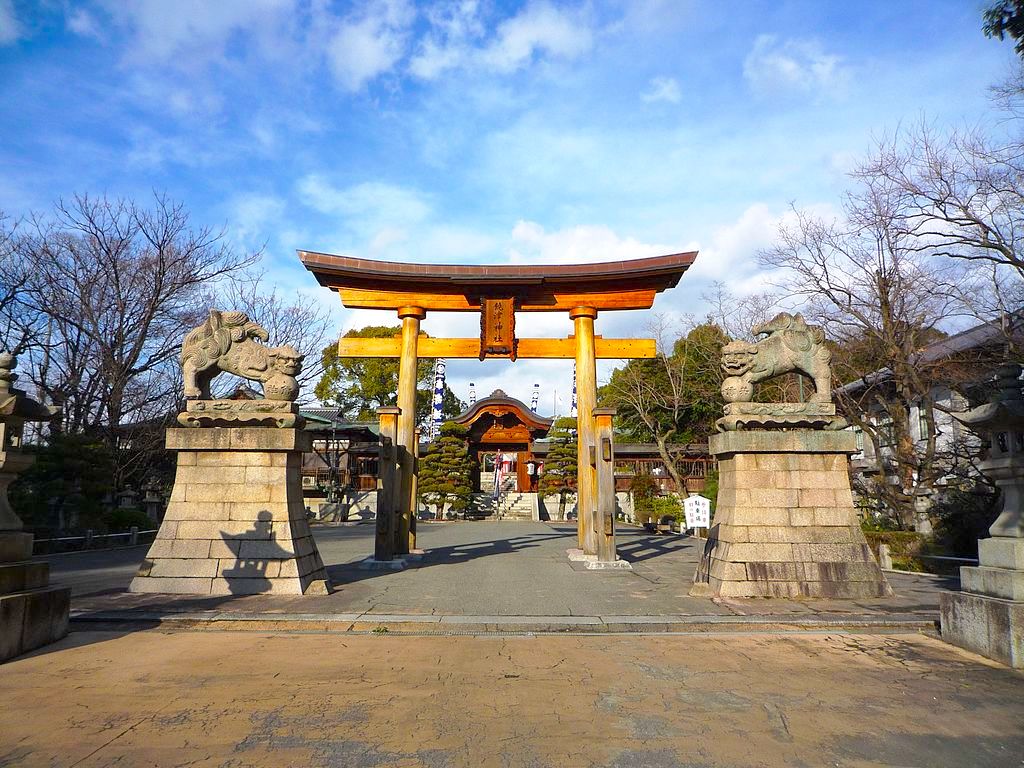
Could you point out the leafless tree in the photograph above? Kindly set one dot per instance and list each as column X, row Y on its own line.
column 880, row 297
column 118, row 285
column 19, row 324
column 736, row 314
column 961, row 196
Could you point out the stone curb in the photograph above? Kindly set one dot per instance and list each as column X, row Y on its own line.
column 438, row 624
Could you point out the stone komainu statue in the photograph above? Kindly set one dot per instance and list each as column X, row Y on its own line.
column 229, row 342
column 791, row 346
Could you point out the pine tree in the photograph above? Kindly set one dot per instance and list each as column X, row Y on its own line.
column 446, row 471
column 560, row 465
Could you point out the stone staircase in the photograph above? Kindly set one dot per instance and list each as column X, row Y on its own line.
column 512, row 505
column 516, row 506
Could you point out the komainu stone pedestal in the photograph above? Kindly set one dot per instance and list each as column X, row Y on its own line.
column 32, row 613
column 236, row 521
column 785, row 524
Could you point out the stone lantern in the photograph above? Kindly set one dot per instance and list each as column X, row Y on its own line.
column 987, row 616
column 31, row 612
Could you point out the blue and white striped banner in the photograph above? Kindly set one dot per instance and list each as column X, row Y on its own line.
column 573, row 413
column 438, row 402
column 535, row 400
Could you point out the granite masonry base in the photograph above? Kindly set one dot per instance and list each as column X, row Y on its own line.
column 785, row 524
column 236, row 521
column 987, row 617
column 32, row 613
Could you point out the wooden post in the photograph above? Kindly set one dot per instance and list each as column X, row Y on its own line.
column 604, row 458
column 586, row 399
column 411, row 317
column 388, row 484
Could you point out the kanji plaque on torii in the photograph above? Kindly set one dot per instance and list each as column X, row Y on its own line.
column 498, row 328
column 497, row 293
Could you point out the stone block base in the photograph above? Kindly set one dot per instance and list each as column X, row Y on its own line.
column 990, row 626
column 1004, row 583
column 236, row 521
column 785, row 524
column 32, row 619
column 32, row 614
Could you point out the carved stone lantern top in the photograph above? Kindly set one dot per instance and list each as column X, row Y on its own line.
column 1002, row 418
column 16, row 407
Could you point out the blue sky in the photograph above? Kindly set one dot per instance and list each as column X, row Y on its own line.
column 480, row 132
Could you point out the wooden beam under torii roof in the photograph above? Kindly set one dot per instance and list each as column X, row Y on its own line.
column 530, row 349
column 613, row 285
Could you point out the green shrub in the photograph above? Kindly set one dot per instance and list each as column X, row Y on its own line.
column 667, row 505
column 122, row 519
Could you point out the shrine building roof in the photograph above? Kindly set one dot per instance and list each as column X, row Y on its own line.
column 500, row 402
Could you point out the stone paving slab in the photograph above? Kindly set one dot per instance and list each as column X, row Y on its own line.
column 175, row 698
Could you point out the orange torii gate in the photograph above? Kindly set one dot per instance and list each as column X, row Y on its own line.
column 497, row 293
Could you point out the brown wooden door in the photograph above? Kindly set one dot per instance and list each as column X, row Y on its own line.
column 522, row 477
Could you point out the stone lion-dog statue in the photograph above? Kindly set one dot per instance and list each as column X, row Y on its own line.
column 229, row 342
column 790, row 346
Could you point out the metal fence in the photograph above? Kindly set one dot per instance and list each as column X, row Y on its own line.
column 92, row 541
column 944, row 564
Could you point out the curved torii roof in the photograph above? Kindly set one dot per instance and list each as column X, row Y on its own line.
column 372, row 284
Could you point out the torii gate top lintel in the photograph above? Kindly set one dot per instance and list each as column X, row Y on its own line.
column 372, row 284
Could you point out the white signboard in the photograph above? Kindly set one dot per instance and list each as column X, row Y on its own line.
column 698, row 511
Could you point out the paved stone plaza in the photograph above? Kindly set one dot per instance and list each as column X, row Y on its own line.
column 509, row 571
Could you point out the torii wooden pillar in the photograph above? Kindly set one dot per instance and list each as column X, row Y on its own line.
column 497, row 293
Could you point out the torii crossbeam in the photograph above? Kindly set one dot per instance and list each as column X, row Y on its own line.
column 497, row 293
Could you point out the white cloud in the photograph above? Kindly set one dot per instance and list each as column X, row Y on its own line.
column 531, row 244
column 192, row 33
column 731, row 253
column 539, row 28
column 802, row 66
column 370, row 201
column 662, row 89
column 10, row 29
column 368, row 45
column 454, row 26
column 254, row 218
column 82, row 23
column 456, row 39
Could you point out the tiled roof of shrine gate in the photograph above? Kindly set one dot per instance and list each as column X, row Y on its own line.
column 535, row 283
